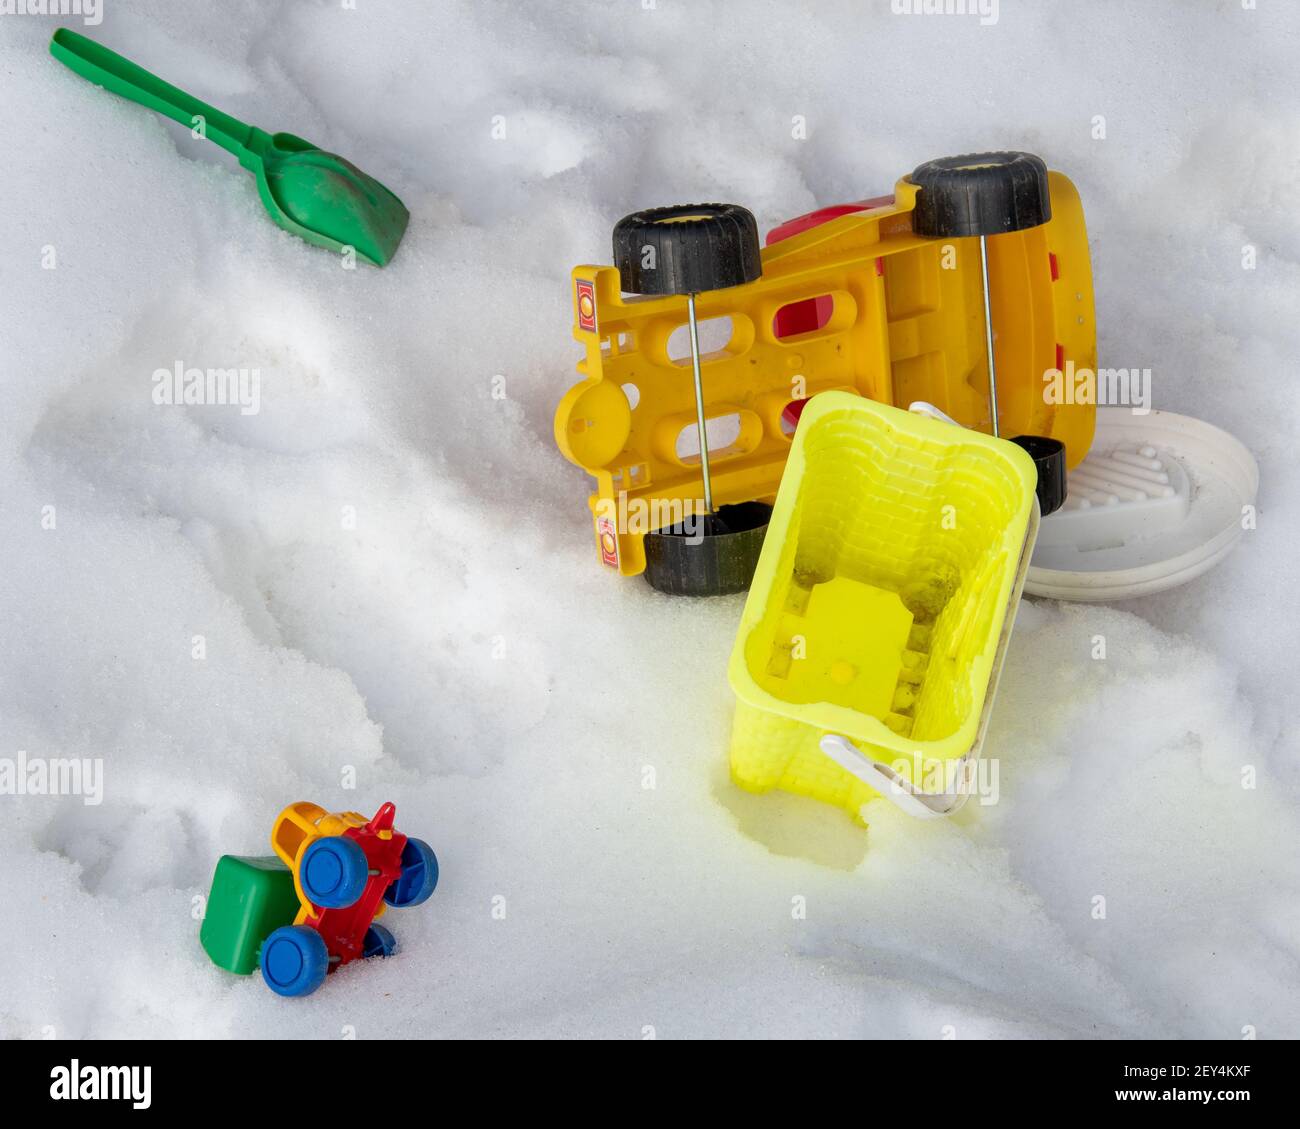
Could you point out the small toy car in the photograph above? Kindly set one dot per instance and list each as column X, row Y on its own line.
column 313, row 907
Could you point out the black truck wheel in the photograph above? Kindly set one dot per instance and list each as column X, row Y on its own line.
column 687, row 249
column 980, row 194
column 986, row 194
column 715, row 560
column 1049, row 460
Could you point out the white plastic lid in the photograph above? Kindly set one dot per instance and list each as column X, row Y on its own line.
column 1157, row 501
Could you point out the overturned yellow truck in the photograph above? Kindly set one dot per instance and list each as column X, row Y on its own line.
column 882, row 298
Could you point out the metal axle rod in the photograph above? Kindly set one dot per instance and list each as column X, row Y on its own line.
column 988, row 335
column 699, row 401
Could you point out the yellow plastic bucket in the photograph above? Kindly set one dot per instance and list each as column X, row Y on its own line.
column 892, row 565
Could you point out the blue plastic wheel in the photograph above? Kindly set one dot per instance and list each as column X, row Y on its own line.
column 418, row 878
column 294, row 960
column 379, row 942
column 333, row 872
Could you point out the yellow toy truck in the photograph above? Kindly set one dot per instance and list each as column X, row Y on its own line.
column 962, row 289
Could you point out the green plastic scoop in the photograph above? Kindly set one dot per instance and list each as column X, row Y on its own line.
column 317, row 195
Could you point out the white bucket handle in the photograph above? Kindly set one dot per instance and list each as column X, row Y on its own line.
column 897, row 788
column 925, row 408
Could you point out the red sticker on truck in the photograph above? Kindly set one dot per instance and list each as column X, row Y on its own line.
column 608, row 538
column 586, row 299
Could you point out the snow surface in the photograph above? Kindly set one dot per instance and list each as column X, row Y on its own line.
column 462, row 649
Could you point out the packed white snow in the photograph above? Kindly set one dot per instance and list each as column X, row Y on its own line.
column 391, row 569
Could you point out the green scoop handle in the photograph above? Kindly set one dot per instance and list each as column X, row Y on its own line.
column 110, row 70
